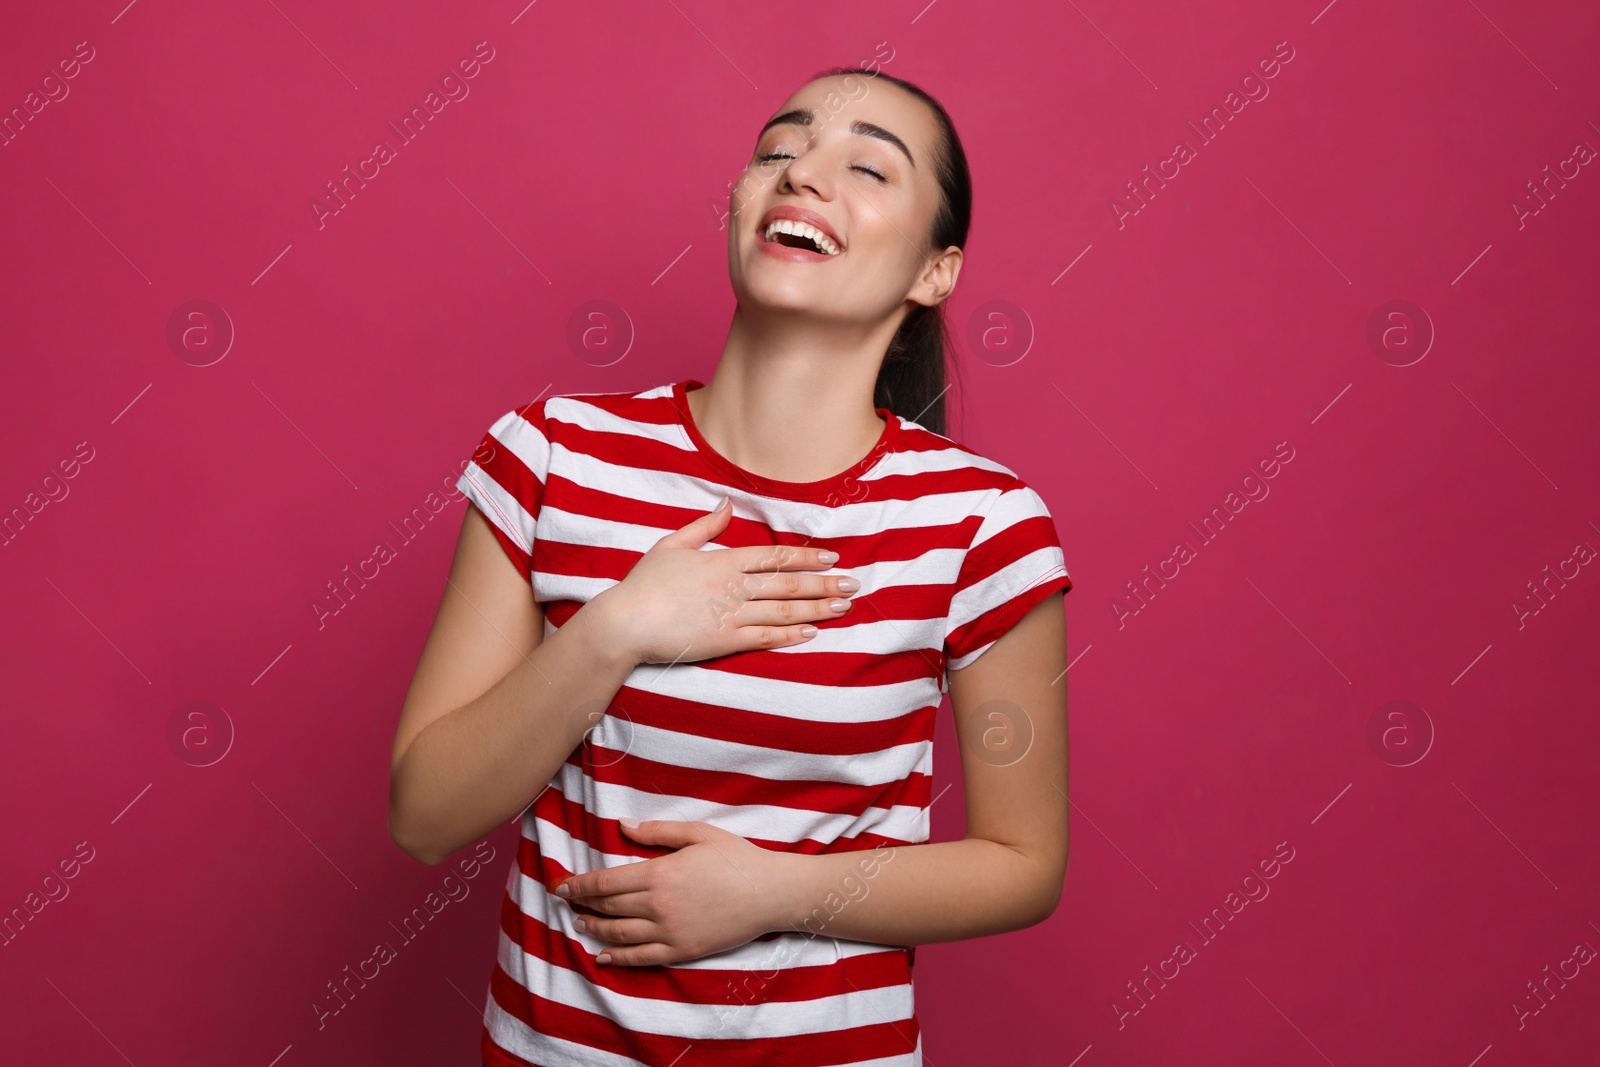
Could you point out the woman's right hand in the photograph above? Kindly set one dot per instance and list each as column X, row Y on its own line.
column 680, row 604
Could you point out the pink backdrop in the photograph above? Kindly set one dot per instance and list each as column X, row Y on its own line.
column 1369, row 266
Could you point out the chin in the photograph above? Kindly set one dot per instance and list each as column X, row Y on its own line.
column 790, row 303
column 762, row 288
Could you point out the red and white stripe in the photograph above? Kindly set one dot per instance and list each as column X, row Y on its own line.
column 821, row 747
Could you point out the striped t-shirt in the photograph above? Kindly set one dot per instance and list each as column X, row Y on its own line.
column 820, row 747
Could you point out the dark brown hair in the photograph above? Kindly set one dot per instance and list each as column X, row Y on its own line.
column 912, row 379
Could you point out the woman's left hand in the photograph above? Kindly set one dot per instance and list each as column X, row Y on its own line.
column 716, row 891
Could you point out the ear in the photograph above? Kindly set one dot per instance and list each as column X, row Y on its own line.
column 938, row 278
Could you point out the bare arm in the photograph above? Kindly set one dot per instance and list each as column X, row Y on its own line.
column 1008, row 872
column 493, row 709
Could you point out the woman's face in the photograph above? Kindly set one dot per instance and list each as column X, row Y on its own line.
column 853, row 157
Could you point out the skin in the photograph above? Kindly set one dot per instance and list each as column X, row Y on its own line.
column 800, row 363
column 807, row 339
column 494, row 710
column 716, row 890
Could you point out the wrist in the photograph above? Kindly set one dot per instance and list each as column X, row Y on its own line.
column 603, row 630
column 790, row 900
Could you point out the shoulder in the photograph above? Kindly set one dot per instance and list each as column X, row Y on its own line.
column 980, row 478
column 547, row 416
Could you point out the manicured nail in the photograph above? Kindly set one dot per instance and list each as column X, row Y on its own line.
column 848, row 585
column 580, row 926
column 839, row 605
column 604, row 957
column 808, row 630
column 563, row 890
column 632, row 824
column 828, row 556
column 719, row 506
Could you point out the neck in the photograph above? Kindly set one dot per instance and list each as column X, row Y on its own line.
column 791, row 397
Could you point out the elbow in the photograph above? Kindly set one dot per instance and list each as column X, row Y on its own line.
column 1050, row 900
column 1037, row 878
column 1045, row 891
column 1041, row 904
column 403, row 834
column 1054, row 885
column 419, row 852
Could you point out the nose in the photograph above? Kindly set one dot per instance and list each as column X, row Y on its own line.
column 811, row 172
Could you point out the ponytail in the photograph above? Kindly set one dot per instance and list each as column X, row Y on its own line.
column 911, row 382
column 912, row 379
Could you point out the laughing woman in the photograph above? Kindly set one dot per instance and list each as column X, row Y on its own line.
column 697, row 635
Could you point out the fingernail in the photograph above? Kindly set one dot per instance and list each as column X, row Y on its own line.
column 562, row 890
column 839, row 605
column 604, row 957
column 828, row 556
column 632, row 824
column 808, row 630
column 720, row 503
column 848, row 585
column 580, row 926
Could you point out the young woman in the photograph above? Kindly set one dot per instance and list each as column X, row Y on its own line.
column 747, row 599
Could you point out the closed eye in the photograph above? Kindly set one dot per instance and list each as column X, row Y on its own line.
column 770, row 156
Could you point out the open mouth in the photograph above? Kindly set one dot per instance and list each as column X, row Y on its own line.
column 794, row 234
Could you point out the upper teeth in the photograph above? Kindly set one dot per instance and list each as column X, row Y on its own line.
column 803, row 229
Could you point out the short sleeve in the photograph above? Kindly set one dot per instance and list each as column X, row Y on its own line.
column 505, row 480
column 1013, row 563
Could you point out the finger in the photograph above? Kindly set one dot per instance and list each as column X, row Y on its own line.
column 647, row 955
column 789, row 613
column 626, row 931
column 758, row 638
column 703, row 529
column 756, row 558
column 629, row 905
column 627, row 878
column 796, row 585
column 667, row 833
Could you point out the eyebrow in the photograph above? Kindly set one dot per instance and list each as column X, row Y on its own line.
column 801, row 116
